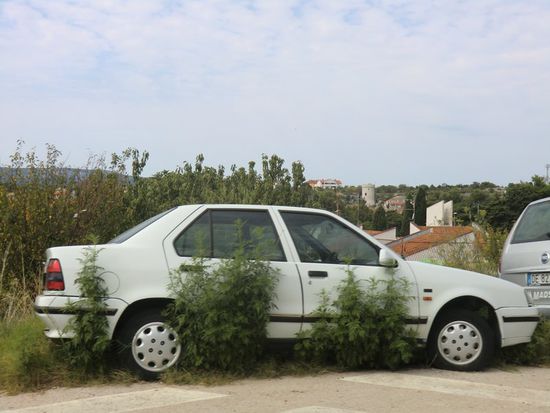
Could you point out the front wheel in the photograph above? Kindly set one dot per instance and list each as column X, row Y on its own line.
column 461, row 340
column 149, row 345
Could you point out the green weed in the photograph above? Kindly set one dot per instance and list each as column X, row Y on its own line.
column 28, row 360
column 364, row 328
column 221, row 315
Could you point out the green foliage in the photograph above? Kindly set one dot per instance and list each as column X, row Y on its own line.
column 534, row 353
column 221, row 314
column 318, row 344
column 482, row 255
column 379, row 221
column 420, row 206
column 28, row 360
column 406, row 217
column 504, row 210
column 365, row 328
column 88, row 326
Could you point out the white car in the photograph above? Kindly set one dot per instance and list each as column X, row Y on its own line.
column 526, row 254
column 461, row 316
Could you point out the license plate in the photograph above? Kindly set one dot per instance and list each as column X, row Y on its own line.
column 538, row 278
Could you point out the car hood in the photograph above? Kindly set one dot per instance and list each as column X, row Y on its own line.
column 497, row 292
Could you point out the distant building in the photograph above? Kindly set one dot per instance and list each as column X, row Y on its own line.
column 440, row 214
column 325, row 183
column 385, row 237
column 428, row 243
column 368, row 193
column 395, row 203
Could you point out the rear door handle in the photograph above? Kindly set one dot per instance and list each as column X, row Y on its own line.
column 318, row 274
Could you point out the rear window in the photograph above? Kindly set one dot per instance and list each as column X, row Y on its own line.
column 534, row 225
column 133, row 231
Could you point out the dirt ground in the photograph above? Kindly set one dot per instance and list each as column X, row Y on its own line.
column 415, row 390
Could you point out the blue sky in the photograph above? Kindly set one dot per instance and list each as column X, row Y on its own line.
column 386, row 92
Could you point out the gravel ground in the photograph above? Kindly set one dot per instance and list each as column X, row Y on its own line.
column 415, row 390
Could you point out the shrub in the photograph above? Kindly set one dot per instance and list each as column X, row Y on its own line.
column 221, row 315
column 89, row 326
column 27, row 358
column 535, row 353
column 481, row 256
column 365, row 327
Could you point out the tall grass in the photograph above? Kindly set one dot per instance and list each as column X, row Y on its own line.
column 482, row 255
column 28, row 360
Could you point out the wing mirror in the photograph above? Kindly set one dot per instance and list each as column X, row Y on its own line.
column 386, row 259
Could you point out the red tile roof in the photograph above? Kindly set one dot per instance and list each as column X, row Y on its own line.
column 428, row 237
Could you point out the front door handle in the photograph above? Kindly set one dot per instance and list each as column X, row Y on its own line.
column 318, row 274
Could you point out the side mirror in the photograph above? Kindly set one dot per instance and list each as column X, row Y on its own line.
column 386, row 259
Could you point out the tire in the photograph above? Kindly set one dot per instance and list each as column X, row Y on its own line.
column 461, row 340
column 149, row 346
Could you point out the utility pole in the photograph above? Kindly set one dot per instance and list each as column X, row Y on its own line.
column 547, row 168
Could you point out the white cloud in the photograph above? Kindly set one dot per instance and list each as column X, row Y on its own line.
column 357, row 90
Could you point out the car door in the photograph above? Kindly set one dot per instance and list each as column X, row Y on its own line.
column 214, row 233
column 323, row 247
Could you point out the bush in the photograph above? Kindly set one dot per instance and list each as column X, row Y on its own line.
column 28, row 360
column 89, row 327
column 483, row 255
column 221, row 316
column 534, row 353
column 365, row 327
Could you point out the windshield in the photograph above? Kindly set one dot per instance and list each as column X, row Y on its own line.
column 534, row 225
column 133, row 231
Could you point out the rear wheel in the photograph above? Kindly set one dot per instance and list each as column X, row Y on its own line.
column 149, row 345
column 461, row 340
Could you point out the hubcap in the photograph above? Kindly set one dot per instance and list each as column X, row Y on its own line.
column 155, row 347
column 459, row 343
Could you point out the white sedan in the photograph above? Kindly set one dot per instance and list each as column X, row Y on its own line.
column 461, row 316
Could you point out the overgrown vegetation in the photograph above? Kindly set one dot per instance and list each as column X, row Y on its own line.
column 28, row 360
column 221, row 314
column 43, row 204
column 534, row 353
column 88, row 327
column 482, row 255
column 365, row 327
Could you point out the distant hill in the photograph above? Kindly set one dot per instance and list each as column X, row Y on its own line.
column 6, row 173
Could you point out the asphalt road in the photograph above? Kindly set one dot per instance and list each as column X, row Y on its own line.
column 418, row 390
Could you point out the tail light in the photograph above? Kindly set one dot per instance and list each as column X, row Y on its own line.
column 54, row 276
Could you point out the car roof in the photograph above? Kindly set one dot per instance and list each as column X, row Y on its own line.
column 257, row 206
column 540, row 201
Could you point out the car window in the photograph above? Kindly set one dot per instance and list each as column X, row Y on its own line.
column 534, row 224
column 320, row 238
column 218, row 234
column 134, row 230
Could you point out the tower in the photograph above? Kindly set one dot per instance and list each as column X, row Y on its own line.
column 368, row 193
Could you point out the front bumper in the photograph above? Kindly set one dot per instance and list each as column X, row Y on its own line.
column 517, row 324
column 51, row 309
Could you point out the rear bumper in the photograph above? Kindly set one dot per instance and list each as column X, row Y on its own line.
column 517, row 324
column 51, row 309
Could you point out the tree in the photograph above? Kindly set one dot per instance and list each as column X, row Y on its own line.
column 407, row 216
column 503, row 211
column 379, row 221
column 420, row 206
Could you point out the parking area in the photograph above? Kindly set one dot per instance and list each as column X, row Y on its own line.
column 518, row 390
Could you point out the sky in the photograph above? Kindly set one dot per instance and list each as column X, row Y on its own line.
column 381, row 91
